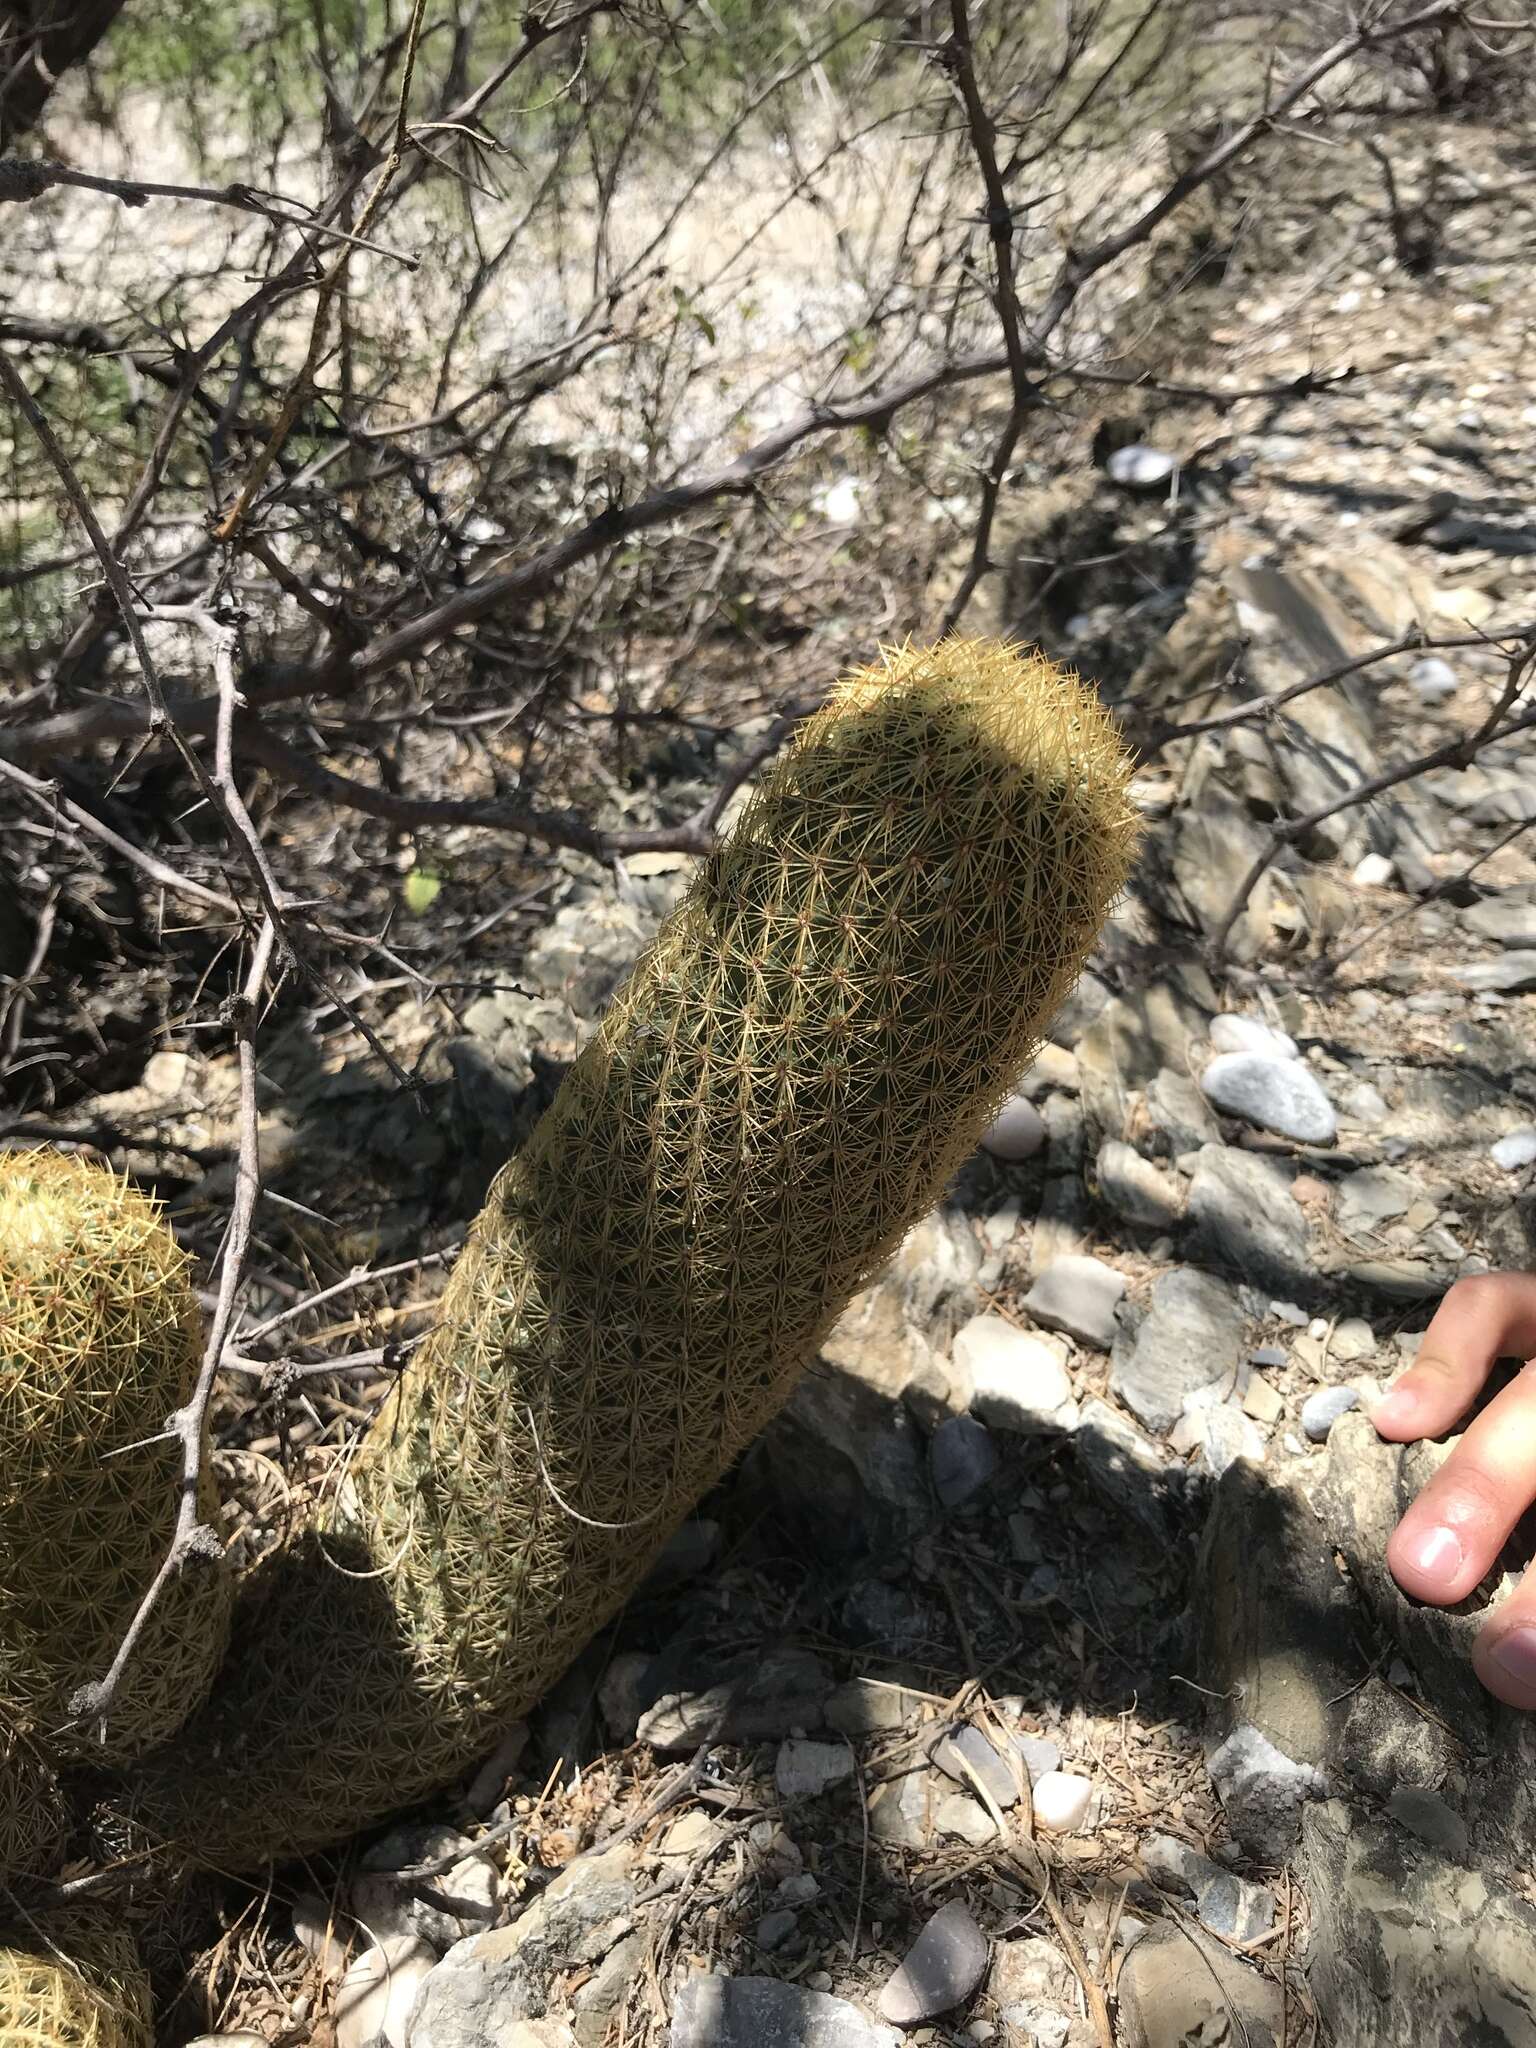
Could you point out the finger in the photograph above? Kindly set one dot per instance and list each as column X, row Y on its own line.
column 1450, row 1537
column 1504, row 1655
column 1490, row 1316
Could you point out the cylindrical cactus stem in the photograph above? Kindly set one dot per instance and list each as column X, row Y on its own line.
column 34, row 1821
column 99, row 1344
column 73, row 1981
column 813, row 1043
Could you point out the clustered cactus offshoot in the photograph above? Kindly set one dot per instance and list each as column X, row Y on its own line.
column 811, row 1046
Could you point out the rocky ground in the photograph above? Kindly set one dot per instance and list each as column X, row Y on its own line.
column 1037, row 1678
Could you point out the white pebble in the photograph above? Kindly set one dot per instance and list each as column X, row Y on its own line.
column 1317, row 1329
column 1374, row 871
column 1017, row 1131
column 1433, row 679
column 1515, row 1149
column 375, row 1998
column 1231, row 1033
column 1141, row 467
column 1061, row 1801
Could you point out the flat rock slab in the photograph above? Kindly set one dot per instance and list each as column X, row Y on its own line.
column 1245, row 1217
column 1508, row 975
column 1017, row 1378
column 1190, row 1337
column 759, row 2012
column 1078, row 1294
column 943, row 1968
column 965, row 1755
column 1276, row 1094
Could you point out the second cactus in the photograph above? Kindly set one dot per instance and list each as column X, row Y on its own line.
column 812, row 1045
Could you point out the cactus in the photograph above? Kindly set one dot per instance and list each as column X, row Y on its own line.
column 74, row 1984
column 34, row 1823
column 98, row 1344
column 813, row 1043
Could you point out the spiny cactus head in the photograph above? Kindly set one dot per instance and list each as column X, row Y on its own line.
column 74, row 1982
column 99, row 1345
column 34, row 1822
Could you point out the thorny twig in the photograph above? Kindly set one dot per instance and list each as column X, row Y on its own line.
column 194, row 1545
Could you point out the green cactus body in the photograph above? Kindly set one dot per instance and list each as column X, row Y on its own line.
column 34, row 1824
column 812, row 1045
column 98, row 1345
column 73, row 1981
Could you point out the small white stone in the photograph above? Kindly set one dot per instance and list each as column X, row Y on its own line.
column 1320, row 1411
column 1231, row 1033
column 839, row 504
column 1317, row 1329
column 1374, row 871
column 1017, row 1131
column 804, row 1770
column 374, row 1999
column 1018, row 1379
column 1276, row 1094
column 1432, row 679
column 1515, row 1149
column 1061, row 1801
column 1141, row 467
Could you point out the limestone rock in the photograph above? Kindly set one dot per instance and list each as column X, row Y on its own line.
column 1137, row 1190
column 1244, row 1217
column 1018, row 1378
column 1191, row 1336
column 714, row 2011
column 1276, row 1094
column 942, row 1969
column 1181, row 1990
column 1078, row 1295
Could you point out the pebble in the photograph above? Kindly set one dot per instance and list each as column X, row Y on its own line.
column 774, row 1929
column 1231, row 1033
column 1374, row 1196
column 1234, row 1909
column 1507, row 920
column 1040, row 1754
column 1262, row 1791
column 1276, row 1094
column 1262, row 1401
column 1124, row 1466
column 1018, row 1380
column 1135, row 1189
column 958, row 1814
column 1017, row 1131
column 1364, row 1104
column 1432, row 678
column 804, row 1770
column 1320, row 1411
column 1179, row 1113
column 965, row 1755
column 1353, row 1338
column 943, row 1968
column 1515, row 1149
column 715, row 2011
column 1141, row 468
column 1512, row 972
column 1077, row 1294
column 1054, row 1067
column 375, row 1997
column 962, row 1458
column 1229, row 1435
column 1061, row 1802
column 1191, row 1336
column 1373, row 871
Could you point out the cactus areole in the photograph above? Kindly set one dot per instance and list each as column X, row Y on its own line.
column 810, row 1047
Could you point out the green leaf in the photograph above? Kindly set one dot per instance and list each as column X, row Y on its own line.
column 420, row 889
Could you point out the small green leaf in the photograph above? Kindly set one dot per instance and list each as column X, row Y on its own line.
column 421, row 889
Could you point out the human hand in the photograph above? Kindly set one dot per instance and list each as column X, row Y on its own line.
column 1450, row 1537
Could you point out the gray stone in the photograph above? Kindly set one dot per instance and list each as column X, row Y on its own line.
column 1229, row 1435
column 1320, row 1411
column 965, row 1755
column 1040, row 1755
column 1079, row 1295
column 436, row 1910
column 1262, row 1790
column 1515, row 1149
column 1421, row 1810
column 1135, row 1189
column 775, row 1928
column 897, row 1618
column 1275, row 1094
column 1399, row 1279
column 1190, row 1337
column 484, row 1986
column 1432, row 678
column 713, row 2011
column 1017, row 1131
column 962, row 1458
column 1352, row 1339
column 805, row 1770
column 1125, row 1467
column 1234, row 1909
column 1244, row 1216
column 1179, row 1113
column 1018, row 1379
column 1231, row 1033
column 942, row 1969
column 1176, row 1865
column 624, row 1693
column 1373, row 1196
column 1409, row 1947
column 595, row 2002
column 865, row 1706
column 374, row 2000
column 1508, row 920
column 764, row 1697
column 1364, row 1104
column 1509, row 974
column 959, row 1815
column 1031, row 1971
column 904, row 1811
column 1179, row 1989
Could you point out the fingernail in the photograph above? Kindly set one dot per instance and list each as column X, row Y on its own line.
column 1396, row 1409
column 1515, row 1655
column 1436, row 1553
